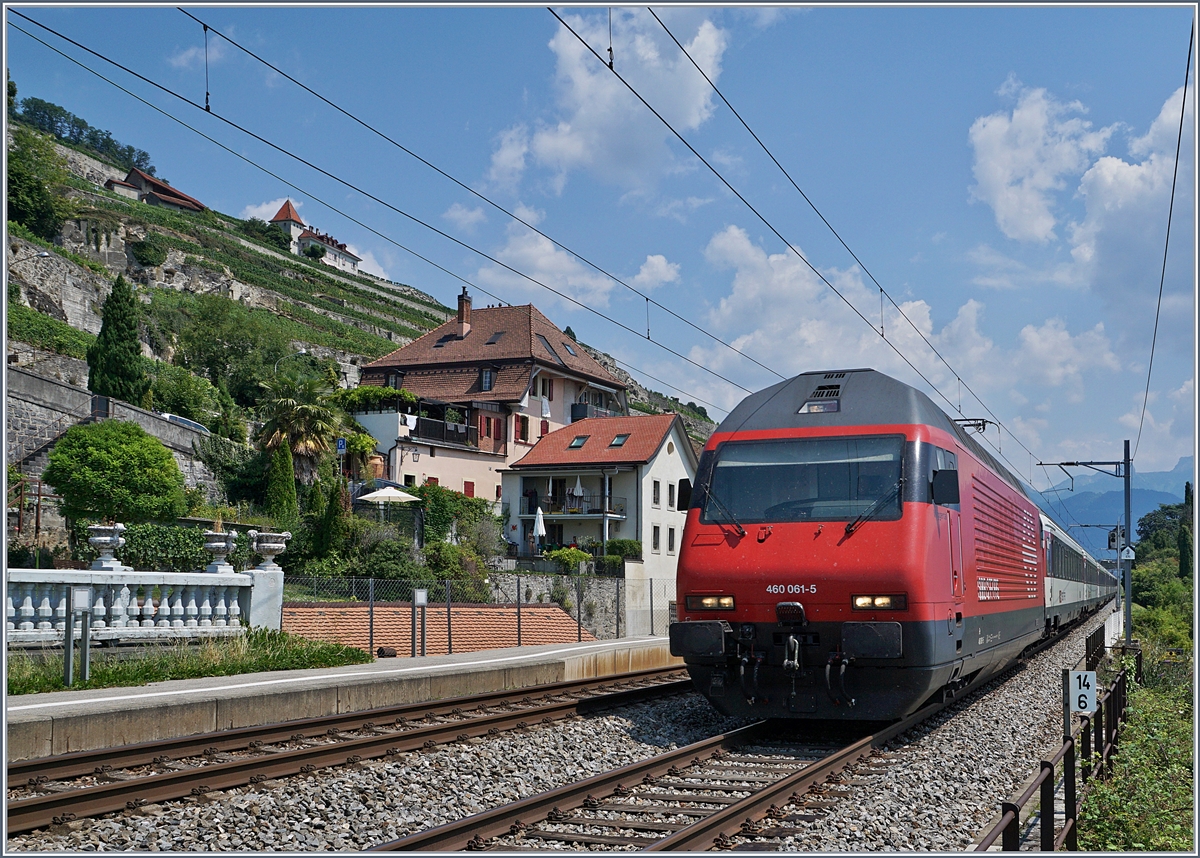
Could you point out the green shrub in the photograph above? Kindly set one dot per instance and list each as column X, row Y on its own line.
column 568, row 559
column 630, row 549
column 150, row 252
column 26, row 325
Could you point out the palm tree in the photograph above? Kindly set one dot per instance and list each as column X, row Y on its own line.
column 298, row 409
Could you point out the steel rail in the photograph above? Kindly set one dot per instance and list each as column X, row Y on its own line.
column 80, row 763
column 54, row 808
column 714, row 827
column 457, row 835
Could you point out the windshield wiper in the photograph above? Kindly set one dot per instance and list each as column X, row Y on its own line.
column 869, row 512
column 741, row 531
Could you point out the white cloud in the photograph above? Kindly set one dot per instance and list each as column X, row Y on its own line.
column 1022, row 158
column 599, row 125
column 1001, row 271
column 530, row 253
column 1118, row 246
column 369, row 263
column 656, row 271
column 679, row 209
column 1051, row 355
column 267, row 210
column 463, row 217
column 194, row 57
column 508, row 161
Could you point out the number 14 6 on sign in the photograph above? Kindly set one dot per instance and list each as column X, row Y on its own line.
column 1083, row 690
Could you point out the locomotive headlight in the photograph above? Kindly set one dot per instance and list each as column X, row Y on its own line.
column 710, row 603
column 880, row 603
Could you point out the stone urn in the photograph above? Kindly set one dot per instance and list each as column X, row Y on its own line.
column 220, row 545
column 106, row 538
column 268, row 545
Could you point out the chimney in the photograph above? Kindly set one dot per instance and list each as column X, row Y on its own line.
column 464, row 314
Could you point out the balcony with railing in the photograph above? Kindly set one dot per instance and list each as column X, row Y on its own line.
column 584, row 506
column 460, row 434
column 583, row 410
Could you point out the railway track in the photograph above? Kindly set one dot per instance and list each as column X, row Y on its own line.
column 67, row 787
column 700, row 796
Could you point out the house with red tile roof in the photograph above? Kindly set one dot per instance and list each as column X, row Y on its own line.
column 605, row 478
column 489, row 382
column 470, row 628
column 154, row 191
column 335, row 253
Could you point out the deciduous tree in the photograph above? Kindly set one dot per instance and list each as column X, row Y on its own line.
column 116, row 471
column 36, row 178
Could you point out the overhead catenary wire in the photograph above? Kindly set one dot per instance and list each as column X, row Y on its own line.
column 882, row 292
column 480, row 195
column 729, row 186
column 1162, row 279
column 382, row 202
column 331, row 208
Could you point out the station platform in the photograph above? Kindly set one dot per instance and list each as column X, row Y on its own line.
column 40, row 725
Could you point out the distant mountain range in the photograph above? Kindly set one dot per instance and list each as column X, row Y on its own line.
column 1100, row 499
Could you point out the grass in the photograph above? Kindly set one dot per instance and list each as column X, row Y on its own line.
column 26, row 325
column 1148, row 803
column 255, row 651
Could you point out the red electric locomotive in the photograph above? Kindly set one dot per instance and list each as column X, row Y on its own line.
column 850, row 552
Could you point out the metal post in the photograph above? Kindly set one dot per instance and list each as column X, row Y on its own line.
column 412, row 610
column 1069, row 800
column 371, row 616
column 617, row 585
column 651, row 583
column 578, row 608
column 1047, row 809
column 518, row 610
column 1085, row 747
column 85, row 655
column 1126, row 563
column 68, row 642
column 1011, row 839
column 1066, row 702
column 1099, row 731
column 422, row 631
column 449, row 625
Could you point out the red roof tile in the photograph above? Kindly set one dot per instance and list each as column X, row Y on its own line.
column 287, row 211
column 462, row 384
column 165, row 191
column 520, row 328
column 647, row 432
column 474, row 627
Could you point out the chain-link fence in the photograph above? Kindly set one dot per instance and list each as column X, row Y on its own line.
column 519, row 608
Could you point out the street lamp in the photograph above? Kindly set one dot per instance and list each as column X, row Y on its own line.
column 285, row 357
column 41, row 254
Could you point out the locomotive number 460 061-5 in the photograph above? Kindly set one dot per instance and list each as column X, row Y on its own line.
column 792, row 589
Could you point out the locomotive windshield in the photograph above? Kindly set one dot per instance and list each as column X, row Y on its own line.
column 801, row 479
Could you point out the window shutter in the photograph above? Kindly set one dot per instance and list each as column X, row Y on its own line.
column 550, row 396
column 545, row 427
column 499, row 429
column 483, row 422
column 431, row 481
column 468, row 488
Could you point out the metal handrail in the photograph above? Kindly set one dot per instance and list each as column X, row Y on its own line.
column 1108, row 718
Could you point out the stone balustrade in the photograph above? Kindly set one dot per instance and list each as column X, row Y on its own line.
column 127, row 606
column 130, row 606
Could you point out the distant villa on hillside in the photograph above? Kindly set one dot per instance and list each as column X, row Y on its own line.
column 304, row 237
column 143, row 187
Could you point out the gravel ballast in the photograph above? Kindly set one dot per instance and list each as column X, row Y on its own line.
column 943, row 782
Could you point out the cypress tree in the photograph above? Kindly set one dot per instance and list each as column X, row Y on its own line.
column 115, row 366
column 281, row 503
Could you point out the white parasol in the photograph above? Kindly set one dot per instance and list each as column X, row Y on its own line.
column 578, row 490
column 388, row 494
column 539, row 525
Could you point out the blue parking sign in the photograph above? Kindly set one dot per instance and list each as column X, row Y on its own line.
column 341, row 446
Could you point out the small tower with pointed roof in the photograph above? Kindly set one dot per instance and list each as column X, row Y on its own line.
column 288, row 218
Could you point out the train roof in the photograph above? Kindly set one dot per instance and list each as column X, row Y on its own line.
column 863, row 397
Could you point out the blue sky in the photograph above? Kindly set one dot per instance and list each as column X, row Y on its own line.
column 1003, row 172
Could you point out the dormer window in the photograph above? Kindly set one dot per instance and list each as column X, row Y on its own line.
column 494, row 338
column 620, row 440
column 578, row 442
column 487, row 379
